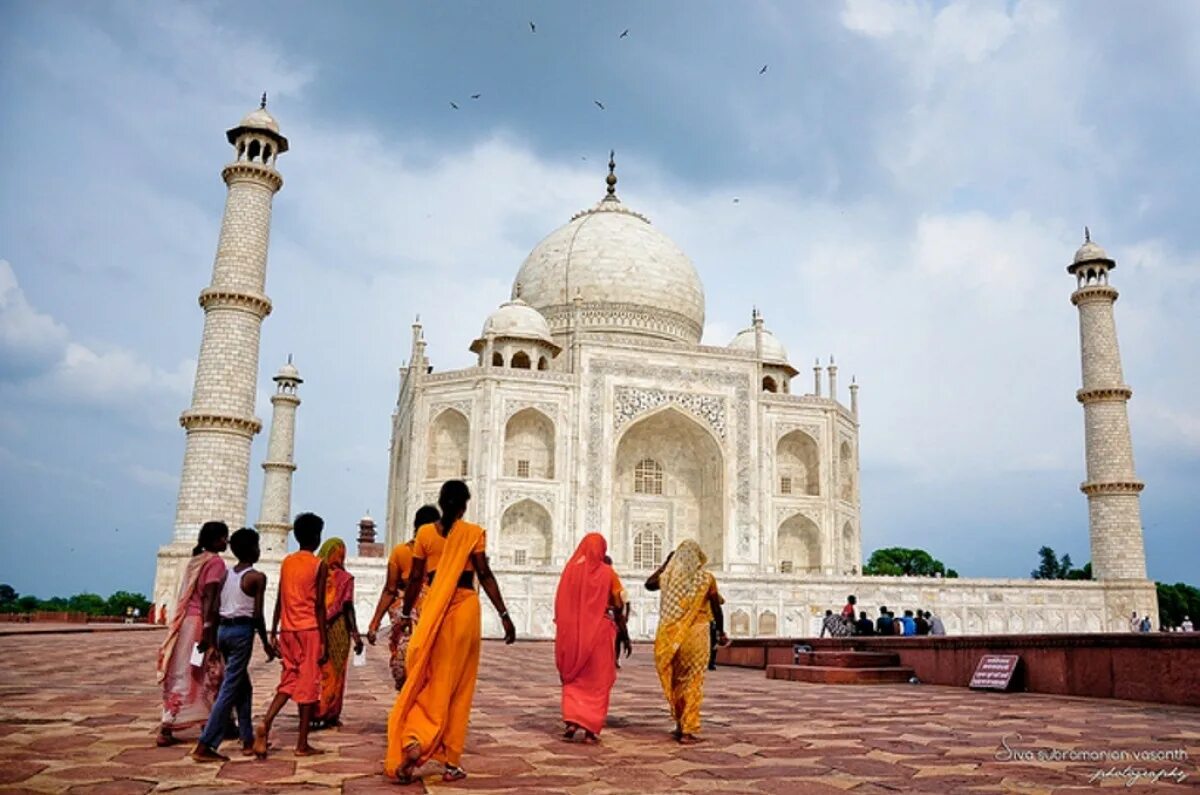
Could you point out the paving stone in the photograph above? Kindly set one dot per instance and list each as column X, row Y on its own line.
column 762, row 735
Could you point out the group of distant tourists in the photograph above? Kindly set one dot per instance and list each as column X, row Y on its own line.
column 431, row 595
column 844, row 624
column 1144, row 624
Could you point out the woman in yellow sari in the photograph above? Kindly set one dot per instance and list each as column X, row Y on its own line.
column 430, row 716
column 681, row 647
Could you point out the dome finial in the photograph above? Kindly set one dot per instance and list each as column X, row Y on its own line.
column 289, row 358
column 262, row 105
column 1087, row 235
column 517, row 291
column 611, row 179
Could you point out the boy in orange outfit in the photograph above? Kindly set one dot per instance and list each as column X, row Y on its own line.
column 301, row 641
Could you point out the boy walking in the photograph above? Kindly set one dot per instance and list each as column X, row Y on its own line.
column 298, row 634
column 241, row 617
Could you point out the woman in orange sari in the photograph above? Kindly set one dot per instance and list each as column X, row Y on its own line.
column 342, row 629
column 681, row 646
column 190, row 690
column 584, row 636
column 430, row 716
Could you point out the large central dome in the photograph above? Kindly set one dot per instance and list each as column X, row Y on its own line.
column 630, row 279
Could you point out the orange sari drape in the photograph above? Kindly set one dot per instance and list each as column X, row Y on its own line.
column 434, row 706
column 584, row 635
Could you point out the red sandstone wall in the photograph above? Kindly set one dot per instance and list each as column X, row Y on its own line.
column 1155, row 667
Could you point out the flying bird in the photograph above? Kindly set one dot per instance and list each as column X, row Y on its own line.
column 624, row 33
column 763, row 71
column 476, row 96
column 454, row 106
column 736, row 200
column 532, row 27
column 599, row 104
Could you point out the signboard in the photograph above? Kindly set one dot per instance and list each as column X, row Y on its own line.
column 995, row 671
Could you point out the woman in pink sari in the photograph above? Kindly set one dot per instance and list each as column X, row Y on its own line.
column 589, row 617
column 343, row 630
column 189, row 690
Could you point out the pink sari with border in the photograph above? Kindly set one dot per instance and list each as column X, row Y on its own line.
column 188, row 691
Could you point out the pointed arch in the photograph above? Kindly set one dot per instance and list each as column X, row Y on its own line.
column 529, row 445
column 449, row 446
column 526, row 535
column 799, row 543
column 798, row 465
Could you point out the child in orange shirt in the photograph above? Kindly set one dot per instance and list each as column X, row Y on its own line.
column 301, row 642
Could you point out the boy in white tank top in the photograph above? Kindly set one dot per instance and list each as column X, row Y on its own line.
column 241, row 611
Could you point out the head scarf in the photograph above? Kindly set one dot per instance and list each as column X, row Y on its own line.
column 683, row 582
column 339, row 583
column 580, row 606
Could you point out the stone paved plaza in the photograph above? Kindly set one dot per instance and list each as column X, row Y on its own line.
column 79, row 713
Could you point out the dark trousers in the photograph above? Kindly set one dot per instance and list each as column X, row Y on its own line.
column 712, row 645
column 236, row 644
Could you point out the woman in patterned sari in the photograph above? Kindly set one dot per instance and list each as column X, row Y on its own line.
column 190, row 690
column 343, row 628
column 399, row 570
column 688, row 603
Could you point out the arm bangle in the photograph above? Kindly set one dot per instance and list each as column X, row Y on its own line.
column 504, row 614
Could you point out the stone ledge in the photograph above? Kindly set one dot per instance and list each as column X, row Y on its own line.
column 1094, row 293
column 252, row 172
column 1094, row 487
column 215, row 421
column 1103, row 394
column 215, row 297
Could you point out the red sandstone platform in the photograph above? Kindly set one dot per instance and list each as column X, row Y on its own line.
column 78, row 713
column 1158, row 667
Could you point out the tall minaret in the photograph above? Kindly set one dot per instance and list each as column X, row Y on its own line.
column 221, row 423
column 1114, row 513
column 274, row 515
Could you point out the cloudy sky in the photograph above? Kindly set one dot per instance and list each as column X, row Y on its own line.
column 912, row 179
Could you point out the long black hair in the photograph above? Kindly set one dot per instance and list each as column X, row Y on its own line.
column 453, row 502
column 210, row 533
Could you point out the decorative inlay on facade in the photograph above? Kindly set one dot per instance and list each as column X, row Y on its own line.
column 782, row 429
column 783, row 512
column 546, row 407
column 1101, row 394
column 545, row 497
column 596, row 315
column 681, row 378
column 463, row 407
column 631, row 402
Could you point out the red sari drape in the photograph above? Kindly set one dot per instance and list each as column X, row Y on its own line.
column 585, row 635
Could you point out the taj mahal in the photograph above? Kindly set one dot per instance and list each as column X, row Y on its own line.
column 591, row 405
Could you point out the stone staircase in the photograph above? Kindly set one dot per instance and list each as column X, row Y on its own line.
column 843, row 668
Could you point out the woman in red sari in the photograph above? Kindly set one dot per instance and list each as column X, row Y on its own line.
column 589, row 616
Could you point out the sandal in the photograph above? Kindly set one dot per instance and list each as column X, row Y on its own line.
column 453, row 773
column 569, row 734
column 412, row 755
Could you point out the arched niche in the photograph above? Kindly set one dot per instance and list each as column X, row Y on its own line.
column 768, row 624
column 449, row 443
column 799, row 542
column 846, row 472
column 529, row 446
column 526, row 535
column 520, row 361
column 797, row 465
column 669, row 478
column 769, row 385
column 739, row 624
column 850, row 561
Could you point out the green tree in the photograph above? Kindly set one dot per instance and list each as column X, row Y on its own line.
column 1051, row 568
column 28, row 604
column 1176, row 601
column 89, row 603
column 901, row 561
column 121, row 601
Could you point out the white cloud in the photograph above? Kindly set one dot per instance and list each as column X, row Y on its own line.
column 880, row 19
column 28, row 338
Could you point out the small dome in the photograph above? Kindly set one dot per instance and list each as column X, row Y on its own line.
column 259, row 119
column 515, row 319
column 772, row 349
column 367, row 520
column 288, row 373
column 1089, row 252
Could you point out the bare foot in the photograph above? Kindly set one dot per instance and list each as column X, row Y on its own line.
column 690, row 739
column 677, row 734
column 248, row 750
column 260, row 741
column 453, row 773
column 308, row 750
column 412, row 756
column 590, row 739
column 165, row 739
column 569, row 734
column 202, row 753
